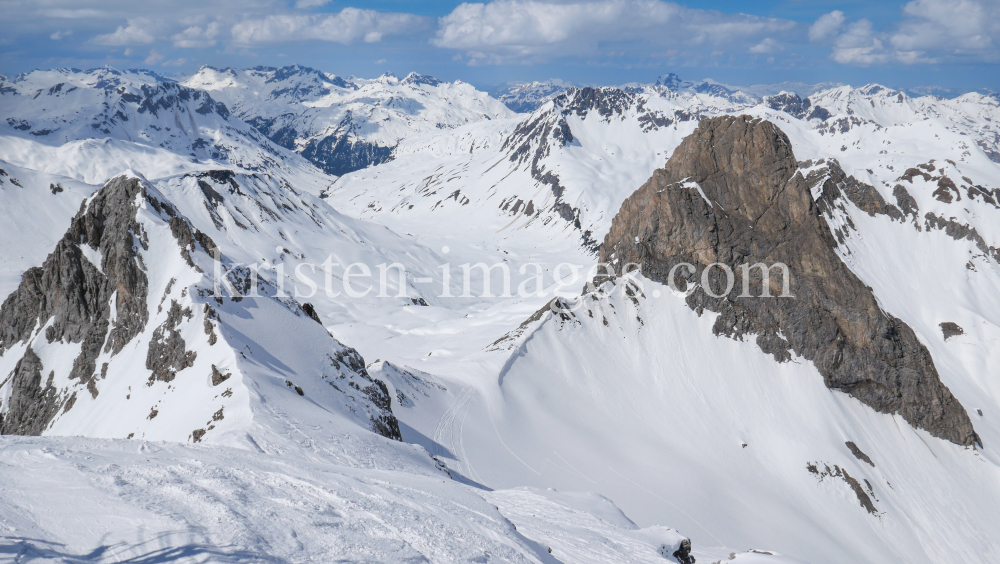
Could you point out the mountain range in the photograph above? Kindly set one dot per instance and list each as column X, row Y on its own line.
column 177, row 383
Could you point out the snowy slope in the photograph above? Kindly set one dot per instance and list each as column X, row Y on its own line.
column 290, row 403
column 340, row 124
column 145, row 501
column 654, row 414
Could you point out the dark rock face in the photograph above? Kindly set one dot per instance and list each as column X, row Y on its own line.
column 383, row 421
column 311, row 312
column 859, row 454
column 951, row 329
column 605, row 101
column 218, row 377
column 341, row 154
column 109, row 226
column 76, row 296
column 795, row 106
column 420, row 79
column 762, row 210
column 167, row 355
column 32, row 405
column 683, row 553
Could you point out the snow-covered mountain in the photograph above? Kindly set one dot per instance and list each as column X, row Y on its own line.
column 568, row 166
column 901, row 164
column 556, row 174
column 854, row 422
column 129, row 286
column 340, row 124
column 525, row 97
column 59, row 107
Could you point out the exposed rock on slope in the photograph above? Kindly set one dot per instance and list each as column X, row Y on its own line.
column 72, row 299
column 732, row 193
column 80, row 338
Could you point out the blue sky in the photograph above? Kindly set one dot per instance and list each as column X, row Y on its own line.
column 950, row 45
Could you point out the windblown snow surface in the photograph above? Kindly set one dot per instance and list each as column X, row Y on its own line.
column 612, row 432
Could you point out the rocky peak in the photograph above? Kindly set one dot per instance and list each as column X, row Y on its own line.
column 793, row 105
column 605, row 101
column 83, row 323
column 71, row 298
column 732, row 193
column 415, row 79
column 72, row 291
column 670, row 81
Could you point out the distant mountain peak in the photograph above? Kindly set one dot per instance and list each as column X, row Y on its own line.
column 418, row 79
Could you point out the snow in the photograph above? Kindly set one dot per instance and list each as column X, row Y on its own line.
column 591, row 438
column 149, row 501
column 34, row 217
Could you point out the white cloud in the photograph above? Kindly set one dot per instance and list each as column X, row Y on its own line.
column 514, row 29
column 348, row 26
column 859, row 45
column 827, row 26
column 958, row 26
column 154, row 57
column 767, row 46
column 196, row 36
column 174, row 62
column 133, row 34
column 75, row 14
column 306, row 4
column 60, row 34
column 931, row 31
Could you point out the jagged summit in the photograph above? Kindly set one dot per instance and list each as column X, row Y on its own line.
column 418, row 79
column 671, row 81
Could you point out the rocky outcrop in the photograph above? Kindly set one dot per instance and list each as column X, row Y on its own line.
column 823, row 471
column 32, row 404
column 108, row 225
column 375, row 391
column 732, row 193
column 72, row 298
column 89, row 312
column 795, row 106
column 167, row 354
column 683, row 553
